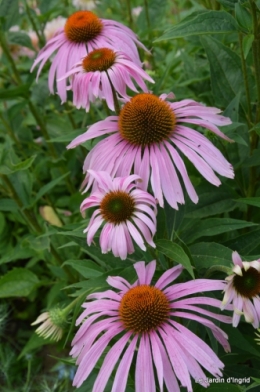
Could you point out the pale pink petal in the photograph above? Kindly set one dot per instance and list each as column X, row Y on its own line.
column 157, row 358
column 169, row 276
column 109, row 363
column 121, row 376
column 144, row 375
column 237, row 259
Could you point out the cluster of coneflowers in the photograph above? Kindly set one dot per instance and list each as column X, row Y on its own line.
column 141, row 149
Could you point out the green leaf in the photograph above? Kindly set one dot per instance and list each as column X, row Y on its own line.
column 253, row 160
column 87, row 268
column 208, row 22
column 9, row 11
column 237, row 339
column 214, row 226
column 225, row 71
column 243, row 17
column 8, row 205
column 211, row 202
column 9, row 167
column 216, row 386
column 14, row 92
column 228, row 3
column 156, row 10
column 17, row 253
column 18, row 283
column 175, row 253
column 247, row 44
column 246, row 244
column 46, row 188
column 99, row 283
column 208, row 254
column 252, row 201
column 66, row 137
column 20, row 38
column 39, row 243
column 33, row 343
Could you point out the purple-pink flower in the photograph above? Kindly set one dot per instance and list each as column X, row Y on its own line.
column 147, row 138
column 243, row 289
column 94, row 76
column 126, row 211
column 144, row 318
column 82, row 33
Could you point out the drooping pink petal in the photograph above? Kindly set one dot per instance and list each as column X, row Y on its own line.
column 144, row 376
column 109, row 363
column 120, row 380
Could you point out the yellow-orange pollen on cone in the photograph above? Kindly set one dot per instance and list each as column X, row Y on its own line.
column 146, row 119
column 99, row 60
column 247, row 285
column 143, row 309
column 82, row 26
column 117, row 206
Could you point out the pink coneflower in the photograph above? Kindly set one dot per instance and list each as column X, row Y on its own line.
column 126, row 211
column 145, row 138
column 145, row 317
column 243, row 290
column 82, row 33
column 93, row 76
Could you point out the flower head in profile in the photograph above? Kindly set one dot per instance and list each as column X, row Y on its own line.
column 145, row 316
column 127, row 212
column 83, row 32
column 52, row 324
column 243, row 289
column 147, row 138
column 94, row 76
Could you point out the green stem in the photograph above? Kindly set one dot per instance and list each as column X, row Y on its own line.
column 243, row 63
column 35, row 28
column 68, row 308
column 68, row 111
column 9, row 130
column 147, row 16
column 254, row 138
column 129, row 10
column 255, row 48
column 116, row 103
column 9, row 57
column 152, row 251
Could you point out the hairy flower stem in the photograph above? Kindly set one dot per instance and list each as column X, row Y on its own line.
column 129, row 11
column 147, row 16
column 68, row 112
column 30, row 218
column 34, row 111
column 39, row 34
column 256, row 50
column 116, row 103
